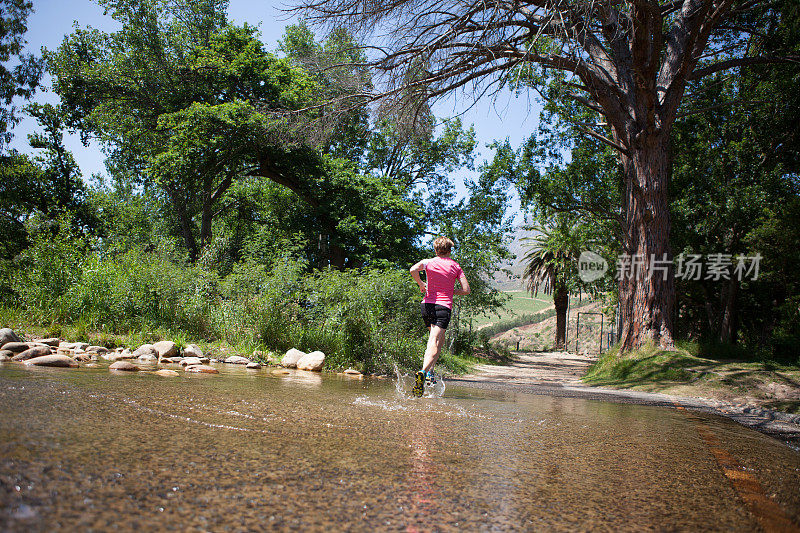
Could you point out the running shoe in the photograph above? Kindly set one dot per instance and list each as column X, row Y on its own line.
column 419, row 384
column 430, row 379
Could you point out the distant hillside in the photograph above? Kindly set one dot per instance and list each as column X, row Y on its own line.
column 519, row 248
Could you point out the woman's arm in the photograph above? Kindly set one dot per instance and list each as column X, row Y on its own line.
column 462, row 279
column 415, row 270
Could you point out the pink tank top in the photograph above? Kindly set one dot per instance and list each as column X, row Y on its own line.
column 441, row 274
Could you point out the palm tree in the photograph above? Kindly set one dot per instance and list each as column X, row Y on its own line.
column 551, row 268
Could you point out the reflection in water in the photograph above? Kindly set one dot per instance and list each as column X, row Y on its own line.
column 88, row 450
column 420, row 515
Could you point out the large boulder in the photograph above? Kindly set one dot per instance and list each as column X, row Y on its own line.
column 17, row 347
column 30, row 353
column 5, row 355
column 203, row 369
column 166, row 349
column 238, row 360
column 7, row 335
column 311, row 361
column 192, row 350
column 291, row 358
column 145, row 349
column 51, row 360
column 124, row 366
column 148, row 358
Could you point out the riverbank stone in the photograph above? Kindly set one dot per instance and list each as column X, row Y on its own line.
column 192, row 350
column 17, row 347
column 291, row 358
column 166, row 348
column 253, row 366
column 148, row 358
column 97, row 349
column 145, row 349
column 238, row 360
column 124, row 366
column 51, row 360
column 188, row 361
column 52, row 342
column 312, row 361
column 5, row 355
column 7, row 335
column 30, row 353
column 352, row 372
column 202, row 369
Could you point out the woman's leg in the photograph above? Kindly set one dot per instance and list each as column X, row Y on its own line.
column 435, row 343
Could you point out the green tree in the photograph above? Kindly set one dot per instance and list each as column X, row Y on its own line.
column 551, row 266
column 20, row 80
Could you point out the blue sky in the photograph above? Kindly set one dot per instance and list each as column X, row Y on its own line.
column 503, row 117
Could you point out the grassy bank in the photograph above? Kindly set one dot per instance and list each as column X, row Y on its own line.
column 682, row 373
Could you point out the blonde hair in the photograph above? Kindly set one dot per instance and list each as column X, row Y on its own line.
column 442, row 245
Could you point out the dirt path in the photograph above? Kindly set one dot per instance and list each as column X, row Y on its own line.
column 535, row 368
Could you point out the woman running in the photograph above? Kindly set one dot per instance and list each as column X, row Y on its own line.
column 441, row 273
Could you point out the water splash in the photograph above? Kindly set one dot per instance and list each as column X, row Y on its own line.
column 405, row 382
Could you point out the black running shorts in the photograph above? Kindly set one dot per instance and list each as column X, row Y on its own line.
column 435, row 315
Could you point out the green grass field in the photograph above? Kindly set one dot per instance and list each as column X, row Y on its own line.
column 521, row 303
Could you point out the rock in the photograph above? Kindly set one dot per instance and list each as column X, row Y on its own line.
column 7, row 335
column 107, row 356
column 166, row 372
column 145, row 349
column 352, row 372
column 188, row 361
column 125, row 366
column 175, row 359
column 5, row 355
column 166, row 348
column 64, row 345
column 91, row 365
column 97, row 349
column 82, row 357
column 30, row 353
column 312, row 361
column 192, row 350
column 53, row 342
column 148, row 358
column 51, row 360
column 290, row 359
column 253, row 366
column 81, row 346
column 17, row 347
column 126, row 354
column 205, row 360
column 203, row 369
column 238, row 360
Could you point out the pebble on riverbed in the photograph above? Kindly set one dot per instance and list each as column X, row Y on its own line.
column 166, row 372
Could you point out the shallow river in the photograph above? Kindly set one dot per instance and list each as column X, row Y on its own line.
column 90, row 450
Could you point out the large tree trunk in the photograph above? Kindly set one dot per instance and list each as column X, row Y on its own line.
column 728, row 322
column 561, row 301
column 647, row 285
